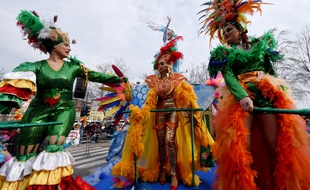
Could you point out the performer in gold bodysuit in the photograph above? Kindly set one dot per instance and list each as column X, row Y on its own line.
column 162, row 140
column 166, row 123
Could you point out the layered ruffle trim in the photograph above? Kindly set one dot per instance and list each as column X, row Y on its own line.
column 20, row 83
column 51, row 161
column 14, row 185
column 53, row 177
column 14, row 91
column 21, row 75
column 22, row 93
column 36, row 179
column 45, row 169
column 10, row 101
column 15, row 170
column 16, row 87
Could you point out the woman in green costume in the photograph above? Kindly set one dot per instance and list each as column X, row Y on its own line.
column 51, row 81
column 255, row 151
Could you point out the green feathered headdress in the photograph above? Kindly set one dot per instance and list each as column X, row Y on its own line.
column 41, row 34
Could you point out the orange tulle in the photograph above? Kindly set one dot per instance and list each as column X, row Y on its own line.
column 241, row 169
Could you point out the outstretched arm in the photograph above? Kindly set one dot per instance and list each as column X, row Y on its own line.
column 165, row 37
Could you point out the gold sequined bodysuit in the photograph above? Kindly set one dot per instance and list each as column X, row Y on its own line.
column 166, row 122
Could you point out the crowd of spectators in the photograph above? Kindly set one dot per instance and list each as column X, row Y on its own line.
column 9, row 140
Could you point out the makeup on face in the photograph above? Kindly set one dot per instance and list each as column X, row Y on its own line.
column 63, row 48
column 231, row 34
column 162, row 65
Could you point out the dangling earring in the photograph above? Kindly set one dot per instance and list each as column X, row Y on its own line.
column 169, row 73
column 158, row 74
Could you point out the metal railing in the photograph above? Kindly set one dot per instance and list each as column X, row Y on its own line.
column 11, row 147
column 191, row 110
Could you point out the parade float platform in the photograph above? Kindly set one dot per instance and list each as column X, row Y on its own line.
column 206, row 178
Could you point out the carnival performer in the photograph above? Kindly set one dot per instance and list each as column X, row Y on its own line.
column 254, row 150
column 168, row 35
column 51, row 81
column 161, row 141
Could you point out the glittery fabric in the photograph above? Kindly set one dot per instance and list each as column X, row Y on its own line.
column 166, row 122
column 166, row 140
column 50, row 83
column 52, row 102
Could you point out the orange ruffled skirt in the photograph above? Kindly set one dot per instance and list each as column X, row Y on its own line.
column 238, row 168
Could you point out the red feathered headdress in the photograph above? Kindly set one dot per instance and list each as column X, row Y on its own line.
column 169, row 52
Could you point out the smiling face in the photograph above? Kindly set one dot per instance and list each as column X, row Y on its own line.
column 63, row 49
column 231, row 34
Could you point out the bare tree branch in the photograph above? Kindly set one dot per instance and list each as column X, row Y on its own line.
column 295, row 67
column 198, row 74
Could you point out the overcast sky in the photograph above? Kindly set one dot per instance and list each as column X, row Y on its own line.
column 106, row 30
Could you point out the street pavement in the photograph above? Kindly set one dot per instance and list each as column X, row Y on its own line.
column 89, row 156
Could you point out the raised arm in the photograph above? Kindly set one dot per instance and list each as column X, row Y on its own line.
column 165, row 36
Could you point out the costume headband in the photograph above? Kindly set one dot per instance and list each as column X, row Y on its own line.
column 222, row 12
column 41, row 34
column 169, row 52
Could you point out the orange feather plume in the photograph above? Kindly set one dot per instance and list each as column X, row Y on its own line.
column 221, row 12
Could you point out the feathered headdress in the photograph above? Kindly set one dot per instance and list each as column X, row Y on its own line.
column 41, row 34
column 221, row 12
column 169, row 52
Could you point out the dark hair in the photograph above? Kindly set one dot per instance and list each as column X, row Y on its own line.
column 245, row 39
column 49, row 44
